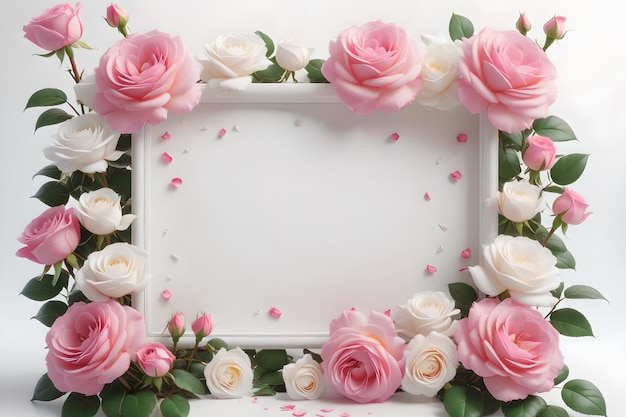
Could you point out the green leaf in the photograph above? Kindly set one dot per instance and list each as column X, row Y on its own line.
column 583, row 396
column 516, row 140
column 462, row 401
column 46, row 97
column 463, row 295
column 530, row 406
column 50, row 311
column 271, row 74
column 554, row 189
column 562, row 376
column 140, row 404
column 460, row 27
column 272, row 359
column 570, row 322
column 314, row 71
column 42, row 289
column 508, row 163
column 79, row 405
column 583, row 292
column 269, row 44
column 569, row 168
column 271, row 378
column 53, row 193
column 216, row 344
column 51, row 117
column 555, row 128
column 76, row 296
column 553, row 411
column 45, row 390
column 50, row 171
column 188, row 382
column 565, row 260
column 112, row 396
column 175, row 406
column 559, row 291
column 264, row 390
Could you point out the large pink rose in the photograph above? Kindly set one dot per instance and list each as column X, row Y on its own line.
column 51, row 237
column 92, row 345
column 508, row 75
column 55, row 28
column 511, row 346
column 363, row 357
column 143, row 77
column 374, row 66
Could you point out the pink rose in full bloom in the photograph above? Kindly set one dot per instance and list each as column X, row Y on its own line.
column 540, row 154
column 374, row 66
column 155, row 359
column 508, row 75
column 56, row 28
column 511, row 346
column 92, row 345
column 143, row 77
column 363, row 357
column 571, row 206
column 51, row 237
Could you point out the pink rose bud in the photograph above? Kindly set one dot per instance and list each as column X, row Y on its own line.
column 202, row 326
column 155, row 359
column 570, row 207
column 555, row 28
column 176, row 326
column 55, row 28
column 523, row 24
column 540, row 154
column 117, row 17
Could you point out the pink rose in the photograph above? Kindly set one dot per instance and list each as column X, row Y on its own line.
column 555, row 27
column 511, row 346
column 92, row 345
column 363, row 357
column 155, row 359
column 56, row 28
column 508, row 75
column 143, row 77
column 571, row 206
column 374, row 66
column 51, row 237
column 176, row 325
column 116, row 16
column 202, row 326
column 540, row 154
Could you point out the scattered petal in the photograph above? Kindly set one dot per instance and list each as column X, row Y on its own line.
column 187, row 150
column 297, row 123
column 466, row 254
column 166, row 136
column 166, row 294
column 427, row 197
column 464, row 269
column 394, row 137
column 439, row 160
column 255, row 399
column 439, row 249
column 288, row 407
column 299, row 413
column 275, row 313
column 169, row 278
column 387, row 312
column 204, row 128
column 326, row 410
column 221, row 133
column 166, row 157
column 175, row 257
column 456, row 175
column 176, row 182
column 461, row 138
column 164, row 232
column 431, row 269
column 344, row 415
column 443, row 227
column 235, row 129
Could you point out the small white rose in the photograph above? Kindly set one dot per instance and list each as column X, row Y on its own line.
column 113, row 272
column 519, row 201
column 439, row 73
column 230, row 60
column 520, row 266
column 431, row 361
column 84, row 143
column 304, row 379
column 425, row 312
column 100, row 212
column 229, row 374
column 292, row 55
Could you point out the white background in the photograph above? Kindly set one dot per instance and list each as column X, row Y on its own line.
column 592, row 86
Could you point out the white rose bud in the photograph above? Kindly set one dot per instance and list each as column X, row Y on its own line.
column 520, row 266
column 519, row 201
column 431, row 361
column 425, row 312
column 100, row 212
column 113, row 272
column 229, row 374
column 84, row 143
column 304, row 379
column 85, row 90
column 439, row 73
column 292, row 55
column 231, row 59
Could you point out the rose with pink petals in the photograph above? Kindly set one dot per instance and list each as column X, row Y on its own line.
column 56, row 28
column 571, row 206
column 363, row 357
column 155, row 359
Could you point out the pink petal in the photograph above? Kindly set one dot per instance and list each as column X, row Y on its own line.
column 456, row 175
column 387, row 312
column 288, row 407
column 176, row 182
column 427, row 197
column 463, row 269
column 166, row 157
column 394, row 137
column 221, row 133
column 461, row 138
column 431, row 269
column 166, row 294
column 166, row 136
column 466, row 254
column 344, row 415
column 276, row 313
column 298, row 413
column 326, row 410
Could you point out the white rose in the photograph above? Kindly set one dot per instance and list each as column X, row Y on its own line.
column 439, row 73
column 519, row 201
column 425, row 312
column 520, row 266
column 84, row 143
column 100, row 212
column 113, row 272
column 229, row 374
column 431, row 361
column 292, row 55
column 85, row 90
column 304, row 379
column 231, row 59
